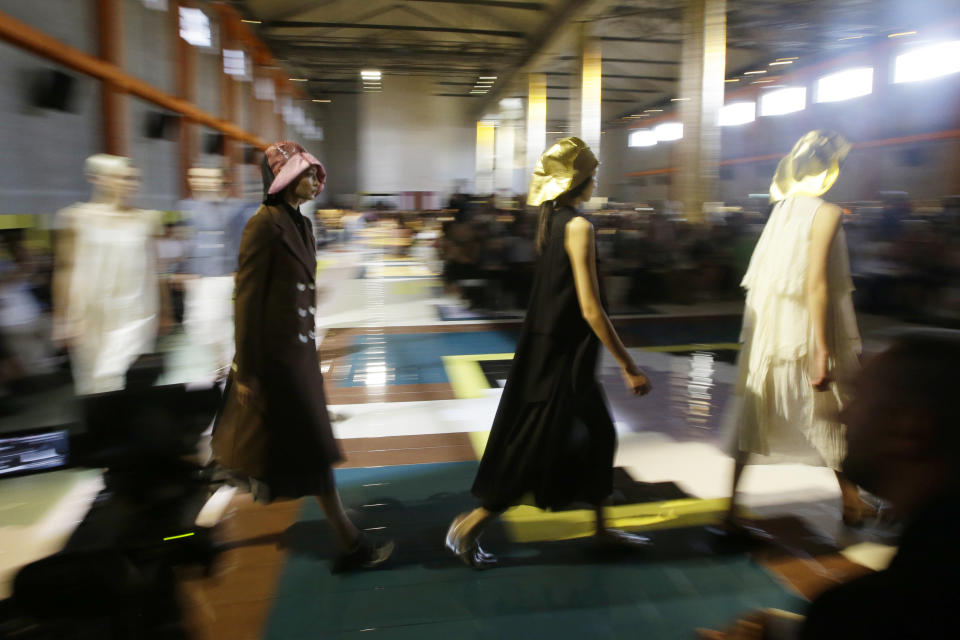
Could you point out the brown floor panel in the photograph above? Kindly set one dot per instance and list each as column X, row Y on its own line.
column 804, row 559
column 394, row 450
column 235, row 601
column 386, row 393
column 811, row 576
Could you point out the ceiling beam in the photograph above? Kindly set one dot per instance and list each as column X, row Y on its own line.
column 615, row 75
column 497, row 4
column 563, row 87
column 628, row 60
column 393, row 52
column 648, row 40
column 291, row 24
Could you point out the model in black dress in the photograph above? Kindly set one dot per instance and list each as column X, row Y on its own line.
column 552, row 436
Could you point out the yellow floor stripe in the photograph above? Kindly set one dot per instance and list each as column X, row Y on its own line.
column 529, row 524
column 526, row 523
column 478, row 439
column 465, row 375
column 411, row 287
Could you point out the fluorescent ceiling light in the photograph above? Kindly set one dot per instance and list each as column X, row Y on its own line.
column 668, row 131
column 323, row 101
column 844, row 85
column 487, row 77
column 779, row 62
column 652, row 110
column 902, row 33
column 932, row 61
column 253, row 21
column 737, row 113
column 783, row 101
column 642, row 138
column 757, row 72
column 297, row 79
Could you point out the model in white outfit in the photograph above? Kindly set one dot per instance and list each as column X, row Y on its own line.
column 782, row 416
column 107, row 296
column 208, row 304
column 800, row 339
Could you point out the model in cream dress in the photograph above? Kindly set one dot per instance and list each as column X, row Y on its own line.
column 800, row 340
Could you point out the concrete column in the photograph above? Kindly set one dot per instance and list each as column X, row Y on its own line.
column 701, row 92
column 486, row 139
column 114, row 100
column 536, row 119
column 585, row 90
column 505, row 142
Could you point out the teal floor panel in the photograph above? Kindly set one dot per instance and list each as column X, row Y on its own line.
column 564, row 589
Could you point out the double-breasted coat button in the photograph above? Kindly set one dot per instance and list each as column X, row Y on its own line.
column 302, row 312
column 311, row 286
column 302, row 337
column 312, row 310
column 313, row 336
column 301, row 286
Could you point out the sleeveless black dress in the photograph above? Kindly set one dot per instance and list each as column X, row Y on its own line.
column 552, row 436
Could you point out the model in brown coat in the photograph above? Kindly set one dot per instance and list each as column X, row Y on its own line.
column 274, row 433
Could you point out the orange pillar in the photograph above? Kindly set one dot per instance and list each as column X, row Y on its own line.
column 114, row 100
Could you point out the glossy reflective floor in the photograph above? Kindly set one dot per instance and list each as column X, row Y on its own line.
column 414, row 378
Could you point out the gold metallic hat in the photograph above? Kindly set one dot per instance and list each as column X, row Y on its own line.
column 811, row 167
column 562, row 167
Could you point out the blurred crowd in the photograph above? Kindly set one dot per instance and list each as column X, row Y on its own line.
column 905, row 259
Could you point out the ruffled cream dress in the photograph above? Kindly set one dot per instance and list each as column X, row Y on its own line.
column 780, row 418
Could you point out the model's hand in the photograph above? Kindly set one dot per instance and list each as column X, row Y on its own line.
column 248, row 392
column 636, row 380
column 819, row 372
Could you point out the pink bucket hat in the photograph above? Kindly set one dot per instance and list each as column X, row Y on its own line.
column 287, row 160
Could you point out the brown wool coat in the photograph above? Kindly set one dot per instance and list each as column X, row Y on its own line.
column 287, row 441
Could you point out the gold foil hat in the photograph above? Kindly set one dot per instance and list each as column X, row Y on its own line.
column 562, row 167
column 811, row 167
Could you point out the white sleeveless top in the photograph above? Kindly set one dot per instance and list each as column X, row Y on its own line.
column 776, row 320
